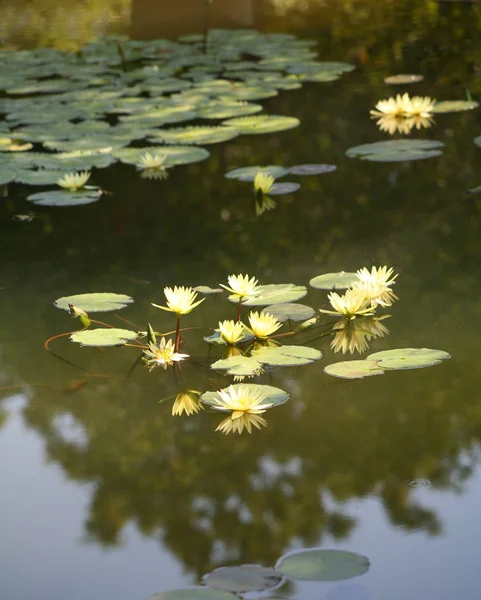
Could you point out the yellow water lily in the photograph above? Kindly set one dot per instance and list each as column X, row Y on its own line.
column 237, row 425
column 376, row 285
column 242, row 287
column 263, row 325
column 392, row 106
column 240, row 399
column 74, row 181
column 354, row 335
column 188, row 403
column 263, row 183
column 152, row 165
column 395, row 124
column 162, row 355
column 180, row 300
column 231, row 331
column 351, row 304
column 420, row 106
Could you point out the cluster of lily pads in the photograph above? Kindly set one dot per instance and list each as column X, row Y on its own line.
column 120, row 100
column 254, row 343
column 311, row 564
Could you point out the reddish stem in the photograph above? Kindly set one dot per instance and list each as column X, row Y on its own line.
column 177, row 334
column 239, row 309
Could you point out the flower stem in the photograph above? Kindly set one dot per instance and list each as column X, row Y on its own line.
column 177, row 334
column 239, row 309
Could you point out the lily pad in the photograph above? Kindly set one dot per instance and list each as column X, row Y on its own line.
column 216, row 338
column 194, row 593
column 277, row 293
column 354, row 369
column 396, row 150
column 175, row 155
column 259, row 124
column 226, row 110
column 65, row 198
column 402, row 79
column 322, row 565
column 94, row 302
column 244, row 578
column 205, row 289
column 273, row 395
column 312, row 169
column 195, row 135
column 289, row 311
column 239, row 366
column 286, row 187
column 408, row 358
column 249, row 173
column 6, row 176
column 333, row 281
column 40, row 177
column 103, row 337
column 286, row 356
column 449, row 106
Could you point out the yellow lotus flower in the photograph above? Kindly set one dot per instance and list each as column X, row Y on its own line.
column 180, row 300
column 244, row 421
column 74, row 181
column 419, row 106
column 188, row 403
column 241, row 399
column 242, row 287
column 394, row 124
column 152, row 165
column 355, row 335
column 395, row 107
column 162, row 355
column 353, row 303
column 231, row 332
column 263, row 325
column 263, row 183
column 376, row 285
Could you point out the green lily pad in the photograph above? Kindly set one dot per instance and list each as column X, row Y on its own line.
column 41, row 177
column 104, row 337
column 408, row 358
column 273, row 395
column 205, row 289
column 249, row 173
column 94, row 302
column 195, row 135
column 239, row 366
column 287, row 356
column 402, row 79
column 286, row 187
column 312, row 169
column 226, row 110
column 259, row 124
column 161, row 116
column 396, row 150
column 276, row 293
column 194, row 593
column 322, row 565
column 65, row 198
column 354, row 369
column 289, row 311
column 6, row 176
column 449, row 106
column 175, row 155
column 242, row 579
column 333, row 281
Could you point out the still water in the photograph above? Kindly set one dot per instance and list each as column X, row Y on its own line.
column 106, row 495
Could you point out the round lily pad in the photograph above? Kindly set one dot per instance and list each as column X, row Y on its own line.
column 408, row 358
column 40, row 177
column 103, row 337
column 312, row 169
column 205, row 289
column 195, row 135
column 259, row 124
column 249, row 173
column 277, row 293
column 449, row 106
column 94, row 302
column 6, row 176
column 244, row 578
column 287, row 356
column 194, row 593
column 239, row 366
column 65, row 198
column 322, row 565
column 333, row 281
column 273, row 395
column 286, row 187
column 396, row 150
column 175, row 155
column 289, row 311
column 402, row 79
column 354, row 369
column 226, row 110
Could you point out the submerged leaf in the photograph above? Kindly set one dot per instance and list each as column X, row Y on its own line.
column 194, row 593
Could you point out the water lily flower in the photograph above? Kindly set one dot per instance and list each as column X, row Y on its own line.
column 353, row 303
column 231, row 331
column 376, row 285
column 245, row 421
column 392, row 106
column 241, row 287
column 246, row 405
column 188, row 402
column 74, row 181
column 355, row 335
column 263, row 325
column 180, row 300
column 395, row 124
column 152, row 165
column 162, row 355
column 420, row 106
column 263, row 183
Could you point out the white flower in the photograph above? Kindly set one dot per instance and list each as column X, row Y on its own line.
column 242, row 287
column 376, row 285
column 153, row 160
column 353, row 303
column 180, row 300
column 241, row 398
column 74, row 181
column 188, row 402
column 162, row 355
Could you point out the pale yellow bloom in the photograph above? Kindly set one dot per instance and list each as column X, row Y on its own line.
column 74, row 181
column 353, row 303
column 241, row 399
column 392, row 106
column 420, row 106
column 238, row 424
column 180, row 300
column 231, row 331
column 162, row 355
column 151, row 160
column 376, row 285
column 394, row 124
column 263, row 183
column 154, row 174
column 354, row 335
column 188, row 402
column 242, row 287
column 263, row 325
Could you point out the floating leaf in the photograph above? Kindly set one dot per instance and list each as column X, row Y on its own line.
column 312, row 169
column 103, row 337
column 174, row 155
column 6, row 176
column 216, row 338
column 289, row 311
column 322, row 565
column 287, row 187
column 403, row 79
column 239, row 366
column 259, row 124
column 249, row 173
column 94, row 302
column 354, row 369
column 276, row 293
column 194, row 593
column 65, row 198
column 226, row 110
column 333, row 281
column 449, row 106
column 242, row 579
column 286, row 356
column 195, row 135
column 408, row 358
column 273, row 395
column 396, row 150
column 41, row 177
column 205, row 289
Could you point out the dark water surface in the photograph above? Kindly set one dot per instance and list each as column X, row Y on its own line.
column 105, row 495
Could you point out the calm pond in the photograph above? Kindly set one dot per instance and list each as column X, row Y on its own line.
column 108, row 495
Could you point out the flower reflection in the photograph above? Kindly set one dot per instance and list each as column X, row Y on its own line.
column 263, row 204
column 239, row 423
column 188, row 403
column 394, row 124
column 355, row 335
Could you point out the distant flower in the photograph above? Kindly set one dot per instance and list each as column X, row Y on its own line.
column 74, row 181
column 263, row 325
column 242, row 287
column 152, row 165
column 354, row 335
column 351, row 304
column 231, row 331
column 393, row 124
column 395, row 107
column 244, row 421
column 180, row 300
column 162, row 355
column 263, row 183
column 188, row 403
column 420, row 106
column 376, row 285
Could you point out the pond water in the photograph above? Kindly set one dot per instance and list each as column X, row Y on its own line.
column 105, row 494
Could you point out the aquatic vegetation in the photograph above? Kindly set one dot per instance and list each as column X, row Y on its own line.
column 242, row 287
column 74, row 181
column 152, row 165
column 393, row 124
column 376, row 285
column 351, row 304
column 263, row 325
column 188, row 403
column 354, row 335
column 263, row 183
column 231, row 331
column 180, row 300
column 404, row 106
column 163, row 354
column 246, row 404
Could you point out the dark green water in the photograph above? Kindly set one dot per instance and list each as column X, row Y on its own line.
column 105, row 495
